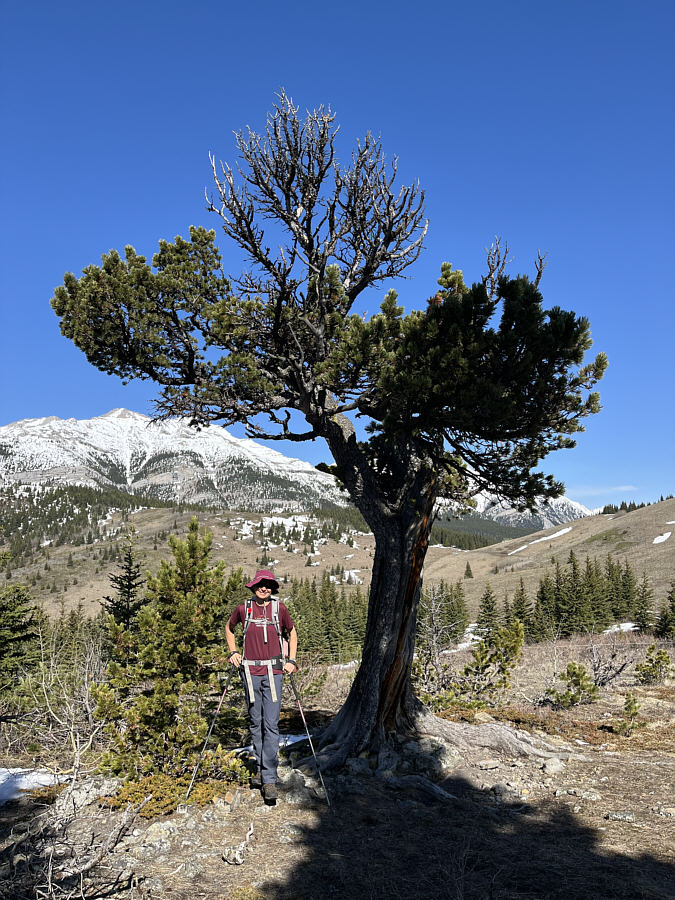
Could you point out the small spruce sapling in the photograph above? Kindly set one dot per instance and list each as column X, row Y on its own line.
column 630, row 720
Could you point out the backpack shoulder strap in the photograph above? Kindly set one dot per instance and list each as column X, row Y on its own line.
column 249, row 614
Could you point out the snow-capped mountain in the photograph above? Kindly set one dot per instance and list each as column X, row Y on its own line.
column 172, row 461
column 169, row 460
column 548, row 515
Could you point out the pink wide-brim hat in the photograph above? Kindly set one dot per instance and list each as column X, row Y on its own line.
column 264, row 575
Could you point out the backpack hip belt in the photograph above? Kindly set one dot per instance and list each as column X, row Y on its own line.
column 276, row 661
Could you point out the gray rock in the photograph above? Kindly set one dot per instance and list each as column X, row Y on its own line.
column 291, row 781
column 154, row 884
column 300, row 797
column 188, row 824
column 215, row 815
column 160, row 830
column 84, row 793
column 150, row 849
column 668, row 811
column 289, row 833
column 488, row 764
column 192, row 868
column 501, row 790
column 553, row 766
column 621, row 816
column 263, row 810
column 429, row 757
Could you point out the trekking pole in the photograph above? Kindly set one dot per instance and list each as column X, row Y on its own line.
column 220, row 703
column 309, row 737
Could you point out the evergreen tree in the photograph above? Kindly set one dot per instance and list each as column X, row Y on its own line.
column 467, row 571
column 629, row 592
column 614, row 582
column 18, row 633
column 522, row 609
column 457, row 614
column 507, row 611
column 488, row 614
column 543, row 617
column 596, row 590
column 665, row 626
column 644, row 605
column 464, row 384
column 124, row 606
column 163, row 678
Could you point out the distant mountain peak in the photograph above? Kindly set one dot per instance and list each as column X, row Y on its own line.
column 169, row 460
column 121, row 413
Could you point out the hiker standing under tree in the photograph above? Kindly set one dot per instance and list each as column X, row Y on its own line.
column 265, row 619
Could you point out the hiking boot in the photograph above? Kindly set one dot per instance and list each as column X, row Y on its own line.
column 269, row 791
column 255, row 781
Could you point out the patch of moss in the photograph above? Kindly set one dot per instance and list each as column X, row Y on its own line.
column 167, row 793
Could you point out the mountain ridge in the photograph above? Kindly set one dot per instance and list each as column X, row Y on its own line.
column 169, row 460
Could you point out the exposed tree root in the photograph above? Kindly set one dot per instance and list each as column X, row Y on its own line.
column 489, row 736
column 420, row 783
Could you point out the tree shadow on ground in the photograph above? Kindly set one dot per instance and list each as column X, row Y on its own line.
column 381, row 842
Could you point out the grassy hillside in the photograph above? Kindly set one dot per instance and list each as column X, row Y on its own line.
column 70, row 570
column 628, row 536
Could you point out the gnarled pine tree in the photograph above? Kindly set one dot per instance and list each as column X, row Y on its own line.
column 470, row 393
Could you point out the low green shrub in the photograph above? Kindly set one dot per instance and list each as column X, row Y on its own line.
column 580, row 688
column 655, row 668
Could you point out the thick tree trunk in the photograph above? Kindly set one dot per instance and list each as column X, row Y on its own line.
column 381, row 702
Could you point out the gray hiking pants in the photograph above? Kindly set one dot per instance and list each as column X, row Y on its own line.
column 264, row 724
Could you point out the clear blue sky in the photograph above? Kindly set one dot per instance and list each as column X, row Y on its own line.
column 550, row 124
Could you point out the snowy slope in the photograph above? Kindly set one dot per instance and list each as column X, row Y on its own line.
column 555, row 512
column 170, row 460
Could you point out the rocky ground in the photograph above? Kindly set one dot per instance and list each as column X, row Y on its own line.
column 587, row 821
column 594, row 816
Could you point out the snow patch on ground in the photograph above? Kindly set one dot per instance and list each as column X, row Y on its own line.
column 14, row 781
column 662, row 537
column 671, row 523
column 469, row 638
column 623, row 626
column 548, row 537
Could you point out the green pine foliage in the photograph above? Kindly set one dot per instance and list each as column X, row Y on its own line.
column 331, row 623
column 467, row 571
column 665, row 625
column 580, row 688
column 18, row 634
column 643, row 613
column 127, row 582
column 488, row 614
column 655, row 668
column 163, row 683
column 630, row 720
column 521, row 608
column 575, row 599
column 485, row 677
